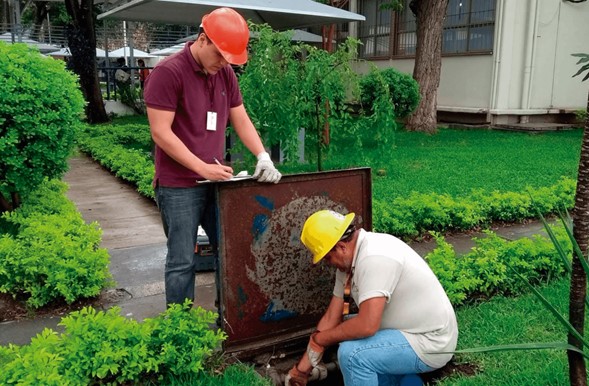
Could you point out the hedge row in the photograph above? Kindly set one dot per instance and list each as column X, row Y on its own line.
column 123, row 149
column 48, row 252
column 420, row 213
column 488, row 269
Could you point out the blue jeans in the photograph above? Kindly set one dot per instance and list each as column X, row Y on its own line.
column 182, row 210
column 386, row 358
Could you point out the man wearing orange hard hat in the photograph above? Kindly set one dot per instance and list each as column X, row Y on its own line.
column 405, row 324
column 191, row 97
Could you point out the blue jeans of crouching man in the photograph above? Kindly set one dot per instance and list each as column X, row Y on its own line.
column 384, row 359
column 182, row 210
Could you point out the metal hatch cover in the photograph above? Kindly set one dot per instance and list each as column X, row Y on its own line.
column 270, row 294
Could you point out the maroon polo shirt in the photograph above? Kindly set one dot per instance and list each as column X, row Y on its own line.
column 179, row 84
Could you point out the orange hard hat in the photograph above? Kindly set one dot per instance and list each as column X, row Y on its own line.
column 228, row 31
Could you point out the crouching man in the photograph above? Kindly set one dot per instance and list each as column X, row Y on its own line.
column 405, row 319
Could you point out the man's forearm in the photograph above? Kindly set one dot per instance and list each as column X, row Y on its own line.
column 348, row 330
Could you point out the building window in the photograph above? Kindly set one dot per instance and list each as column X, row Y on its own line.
column 468, row 28
column 375, row 32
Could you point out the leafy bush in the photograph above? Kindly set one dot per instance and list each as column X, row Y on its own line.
column 40, row 115
column 103, row 345
column 484, row 271
column 403, row 89
column 180, row 344
column 100, row 347
column 48, row 252
column 581, row 115
column 35, row 364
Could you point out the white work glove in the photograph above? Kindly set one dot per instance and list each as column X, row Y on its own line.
column 314, row 351
column 296, row 378
column 265, row 170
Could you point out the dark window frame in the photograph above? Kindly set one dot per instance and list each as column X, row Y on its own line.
column 399, row 21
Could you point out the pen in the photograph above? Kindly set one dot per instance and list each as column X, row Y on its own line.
column 217, row 161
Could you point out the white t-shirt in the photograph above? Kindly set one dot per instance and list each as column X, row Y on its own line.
column 417, row 305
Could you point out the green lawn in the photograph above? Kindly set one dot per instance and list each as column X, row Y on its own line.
column 457, row 161
column 509, row 321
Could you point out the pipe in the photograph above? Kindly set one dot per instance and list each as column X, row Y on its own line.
column 353, row 26
column 530, row 52
column 318, row 373
column 497, row 54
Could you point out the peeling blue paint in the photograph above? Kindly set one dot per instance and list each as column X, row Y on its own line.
column 274, row 316
column 265, row 202
column 259, row 225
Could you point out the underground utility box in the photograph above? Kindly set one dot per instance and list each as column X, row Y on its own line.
column 270, row 295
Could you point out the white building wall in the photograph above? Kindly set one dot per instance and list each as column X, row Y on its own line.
column 530, row 70
column 573, row 33
column 542, row 86
column 465, row 83
column 533, row 66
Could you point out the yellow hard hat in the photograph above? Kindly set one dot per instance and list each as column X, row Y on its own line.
column 322, row 230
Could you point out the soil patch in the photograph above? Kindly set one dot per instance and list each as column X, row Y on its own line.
column 16, row 309
column 467, row 369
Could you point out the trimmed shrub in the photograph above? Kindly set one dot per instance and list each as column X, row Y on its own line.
column 48, row 252
column 123, row 149
column 486, row 270
column 403, row 89
column 40, row 115
column 419, row 213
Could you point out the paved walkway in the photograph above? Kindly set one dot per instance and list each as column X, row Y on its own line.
column 133, row 235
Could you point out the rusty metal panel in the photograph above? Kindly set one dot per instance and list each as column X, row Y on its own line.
column 269, row 291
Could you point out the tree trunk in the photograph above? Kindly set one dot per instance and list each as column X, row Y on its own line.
column 81, row 36
column 41, row 12
column 5, row 205
column 577, row 371
column 428, row 62
column 327, row 37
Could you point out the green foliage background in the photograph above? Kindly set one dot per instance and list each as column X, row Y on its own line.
column 402, row 88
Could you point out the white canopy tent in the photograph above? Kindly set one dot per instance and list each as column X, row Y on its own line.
column 65, row 52
column 279, row 14
column 298, row 36
column 126, row 52
column 169, row 50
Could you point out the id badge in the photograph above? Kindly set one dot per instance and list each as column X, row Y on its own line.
column 211, row 121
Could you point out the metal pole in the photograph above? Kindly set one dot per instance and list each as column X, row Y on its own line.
column 131, row 53
column 49, row 28
column 17, row 20
column 106, row 60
